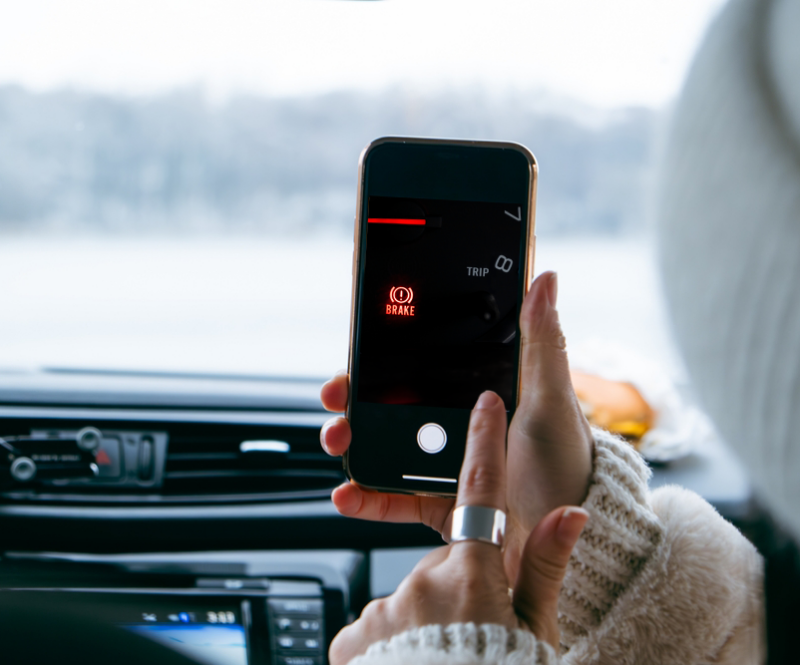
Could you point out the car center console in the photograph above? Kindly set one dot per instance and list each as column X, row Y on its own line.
column 245, row 608
column 232, row 608
column 200, row 521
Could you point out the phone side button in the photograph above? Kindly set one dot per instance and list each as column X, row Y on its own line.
column 432, row 438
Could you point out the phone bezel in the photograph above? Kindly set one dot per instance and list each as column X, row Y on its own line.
column 530, row 242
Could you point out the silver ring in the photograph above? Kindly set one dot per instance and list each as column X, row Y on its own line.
column 478, row 523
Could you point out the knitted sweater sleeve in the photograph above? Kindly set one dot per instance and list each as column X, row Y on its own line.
column 621, row 535
column 655, row 578
column 460, row 644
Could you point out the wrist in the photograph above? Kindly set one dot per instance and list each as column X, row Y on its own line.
column 620, row 536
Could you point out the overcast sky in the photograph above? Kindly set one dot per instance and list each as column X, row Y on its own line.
column 603, row 52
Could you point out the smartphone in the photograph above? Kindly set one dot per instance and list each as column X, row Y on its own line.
column 443, row 256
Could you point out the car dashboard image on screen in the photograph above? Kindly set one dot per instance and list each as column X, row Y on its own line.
column 439, row 302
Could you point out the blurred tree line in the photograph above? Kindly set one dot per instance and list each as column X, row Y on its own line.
column 80, row 161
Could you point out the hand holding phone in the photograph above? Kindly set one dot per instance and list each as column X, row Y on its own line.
column 466, row 582
column 549, row 453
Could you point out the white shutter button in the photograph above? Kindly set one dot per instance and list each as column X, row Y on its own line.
column 431, row 438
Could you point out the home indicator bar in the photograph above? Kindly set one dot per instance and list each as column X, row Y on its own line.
column 430, row 479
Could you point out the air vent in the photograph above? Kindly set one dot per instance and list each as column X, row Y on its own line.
column 180, row 458
column 224, row 463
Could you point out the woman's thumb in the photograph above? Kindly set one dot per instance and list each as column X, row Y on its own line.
column 542, row 569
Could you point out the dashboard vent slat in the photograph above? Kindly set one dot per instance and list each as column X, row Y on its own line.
column 201, row 463
column 213, row 460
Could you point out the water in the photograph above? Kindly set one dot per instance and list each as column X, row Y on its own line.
column 262, row 306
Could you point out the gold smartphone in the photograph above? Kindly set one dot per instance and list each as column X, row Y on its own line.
column 443, row 256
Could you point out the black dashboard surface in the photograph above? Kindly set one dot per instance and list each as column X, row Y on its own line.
column 241, row 467
column 207, row 495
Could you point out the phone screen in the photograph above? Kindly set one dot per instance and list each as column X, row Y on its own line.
column 439, row 301
column 443, row 244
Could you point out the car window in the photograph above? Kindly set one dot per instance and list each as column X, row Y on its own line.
column 177, row 179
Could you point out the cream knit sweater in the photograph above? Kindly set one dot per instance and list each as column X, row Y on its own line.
column 655, row 578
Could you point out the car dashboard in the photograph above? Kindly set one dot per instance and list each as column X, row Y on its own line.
column 193, row 512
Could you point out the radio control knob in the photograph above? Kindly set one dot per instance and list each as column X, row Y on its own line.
column 23, row 469
column 89, row 439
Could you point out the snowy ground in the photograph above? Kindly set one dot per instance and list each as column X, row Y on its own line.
column 262, row 306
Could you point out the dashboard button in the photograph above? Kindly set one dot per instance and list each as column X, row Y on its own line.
column 109, row 458
column 298, row 660
column 289, row 607
column 432, row 438
column 23, row 469
column 285, row 624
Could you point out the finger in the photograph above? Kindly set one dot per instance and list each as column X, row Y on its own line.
column 549, row 415
column 544, row 362
column 345, row 645
column 542, row 568
column 334, row 393
column 353, row 640
column 482, row 478
column 335, row 436
column 353, row 501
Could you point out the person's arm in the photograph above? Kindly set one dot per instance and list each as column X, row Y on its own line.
column 633, row 539
column 657, row 577
column 455, row 606
column 620, row 537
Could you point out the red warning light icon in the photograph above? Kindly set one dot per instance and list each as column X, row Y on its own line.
column 400, row 297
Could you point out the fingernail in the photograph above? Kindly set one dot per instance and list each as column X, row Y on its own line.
column 347, row 504
column 486, row 400
column 552, row 289
column 572, row 521
column 322, row 438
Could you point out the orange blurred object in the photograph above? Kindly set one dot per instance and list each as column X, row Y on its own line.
column 613, row 405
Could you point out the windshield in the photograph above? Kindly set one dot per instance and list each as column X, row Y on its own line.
column 178, row 178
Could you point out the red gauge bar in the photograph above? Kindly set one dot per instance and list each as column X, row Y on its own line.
column 406, row 222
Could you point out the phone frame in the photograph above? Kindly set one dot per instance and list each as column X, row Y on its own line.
column 529, row 240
